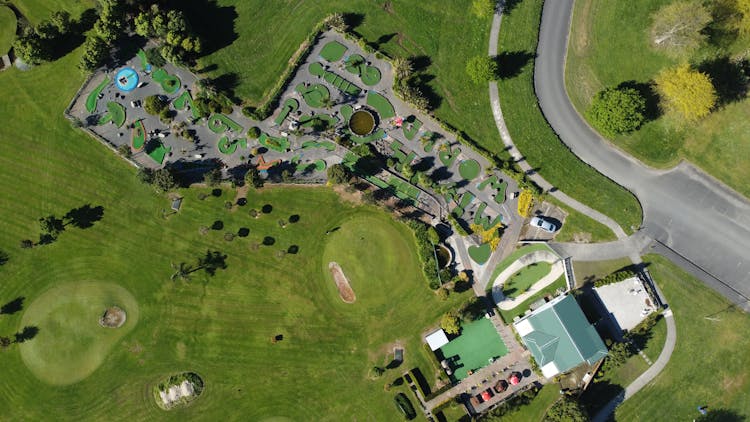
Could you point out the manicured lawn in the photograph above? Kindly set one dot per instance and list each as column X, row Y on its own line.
column 333, row 51
column 711, row 338
column 535, row 411
column 599, row 57
column 536, row 140
column 138, row 136
column 258, row 53
column 513, row 257
column 525, row 278
column 7, row 29
column 472, row 349
column 480, row 254
column 590, row 271
column 290, row 106
column 578, row 226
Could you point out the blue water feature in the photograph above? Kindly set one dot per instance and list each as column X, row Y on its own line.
column 126, row 79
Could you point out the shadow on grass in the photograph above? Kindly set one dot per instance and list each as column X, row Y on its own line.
column 728, row 77
column 511, row 63
column 648, row 92
column 214, row 24
column 13, row 306
column 599, row 393
column 27, row 333
column 84, row 216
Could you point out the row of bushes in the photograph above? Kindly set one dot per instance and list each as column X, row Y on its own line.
column 426, row 238
column 614, row 278
column 404, row 405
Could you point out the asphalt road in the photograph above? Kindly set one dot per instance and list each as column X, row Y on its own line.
column 684, row 209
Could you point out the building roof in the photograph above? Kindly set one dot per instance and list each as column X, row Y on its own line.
column 559, row 336
column 436, row 339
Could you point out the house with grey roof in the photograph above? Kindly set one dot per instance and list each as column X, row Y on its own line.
column 560, row 337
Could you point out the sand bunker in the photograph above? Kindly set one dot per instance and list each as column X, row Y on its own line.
column 113, row 317
column 345, row 290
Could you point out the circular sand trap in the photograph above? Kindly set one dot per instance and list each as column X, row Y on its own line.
column 342, row 283
column 71, row 344
column 114, row 317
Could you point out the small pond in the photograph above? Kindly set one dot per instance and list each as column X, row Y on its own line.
column 362, row 122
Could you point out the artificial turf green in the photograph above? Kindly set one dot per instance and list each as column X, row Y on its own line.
column 410, row 127
column 159, row 153
column 219, row 123
column 378, row 134
column 226, row 146
column 7, row 29
column 472, row 350
column 381, row 105
column 184, row 100
column 315, row 95
column 469, row 169
column 169, row 83
column 138, row 139
column 290, row 106
column 481, row 253
column 93, row 97
column 117, row 113
column 521, row 281
column 333, row 51
column 274, row 143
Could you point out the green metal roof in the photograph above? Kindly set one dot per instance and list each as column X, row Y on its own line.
column 561, row 334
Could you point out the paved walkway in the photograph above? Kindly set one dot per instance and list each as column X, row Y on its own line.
column 518, row 157
column 647, row 376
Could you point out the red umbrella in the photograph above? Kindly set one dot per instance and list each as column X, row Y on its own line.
column 514, row 379
column 486, row 395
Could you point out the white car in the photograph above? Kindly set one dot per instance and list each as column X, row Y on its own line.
column 543, row 224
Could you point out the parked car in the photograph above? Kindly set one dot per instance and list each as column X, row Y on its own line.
column 543, row 224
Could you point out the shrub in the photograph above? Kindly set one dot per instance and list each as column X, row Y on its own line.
column 483, row 8
column 481, row 69
column 615, row 277
column 154, row 104
column 451, row 323
column 426, row 252
column 617, row 110
column 525, row 201
column 404, row 405
column 253, row 132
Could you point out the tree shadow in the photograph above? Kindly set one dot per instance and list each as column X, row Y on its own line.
column 267, row 209
column 27, row 333
column 85, row 216
column 214, row 24
column 422, row 82
column 353, row 20
column 721, row 415
column 509, row 5
column 599, row 394
column 648, row 92
column 75, row 36
column 420, row 63
column 217, row 225
column 511, row 63
column 128, row 47
column 226, row 84
column 4, row 257
column 243, row 232
column 722, row 30
column 294, row 218
column 728, row 77
column 13, row 306
column 211, row 261
column 268, row 241
column 293, row 249
column 383, row 39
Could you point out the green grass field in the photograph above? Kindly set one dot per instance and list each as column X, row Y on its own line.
column 580, row 226
column 599, row 57
column 536, row 140
column 7, row 29
column 706, row 349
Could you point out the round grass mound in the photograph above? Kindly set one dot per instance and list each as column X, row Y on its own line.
column 469, row 169
column 71, row 343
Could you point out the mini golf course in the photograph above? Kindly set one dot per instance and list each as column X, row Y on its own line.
column 159, row 152
column 469, row 169
column 71, row 344
column 276, row 144
column 520, row 282
column 447, row 155
column 333, row 51
column 314, row 95
column 7, row 29
column 316, row 69
column 290, row 106
column 169, row 83
column 226, row 146
column 472, row 350
column 186, row 100
column 411, row 127
column 145, row 66
column 381, row 105
column 138, row 139
column 480, row 254
column 328, row 145
column 356, row 64
column 115, row 113
column 219, row 123
column 93, row 97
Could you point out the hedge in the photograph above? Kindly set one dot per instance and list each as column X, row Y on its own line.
column 614, row 278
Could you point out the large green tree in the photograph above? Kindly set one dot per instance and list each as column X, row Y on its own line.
column 95, row 52
column 451, row 323
column 566, row 409
column 617, row 110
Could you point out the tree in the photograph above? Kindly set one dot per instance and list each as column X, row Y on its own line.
column 402, row 67
column 27, row 244
column 451, row 323
column 61, row 21
column 29, row 49
column 155, row 104
column 617, row 110
column 336, row 21
column 4, row 342
column 618, row 355
column 252, row 177
column 95, row 51
column 481, row 69
column 145, row 175
column 164, row 180
column 685, row 91
column 337, row 174
column 566, row 409
column 743, row 7
column 181, row 272
column 125, row 150
column 483, row 8
column 678, row 27
column 212, row 177
column 51, row 225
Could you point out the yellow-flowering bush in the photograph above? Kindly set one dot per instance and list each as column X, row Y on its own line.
column 525, row 199
column 491, row 235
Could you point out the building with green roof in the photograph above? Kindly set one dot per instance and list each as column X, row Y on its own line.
column 560, row 337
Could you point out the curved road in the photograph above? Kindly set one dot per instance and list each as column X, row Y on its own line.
column 687, row 211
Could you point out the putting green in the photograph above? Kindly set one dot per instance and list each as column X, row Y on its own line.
column 469, row 169
column 169, row 83
column 93, row 97
column 71, row 344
